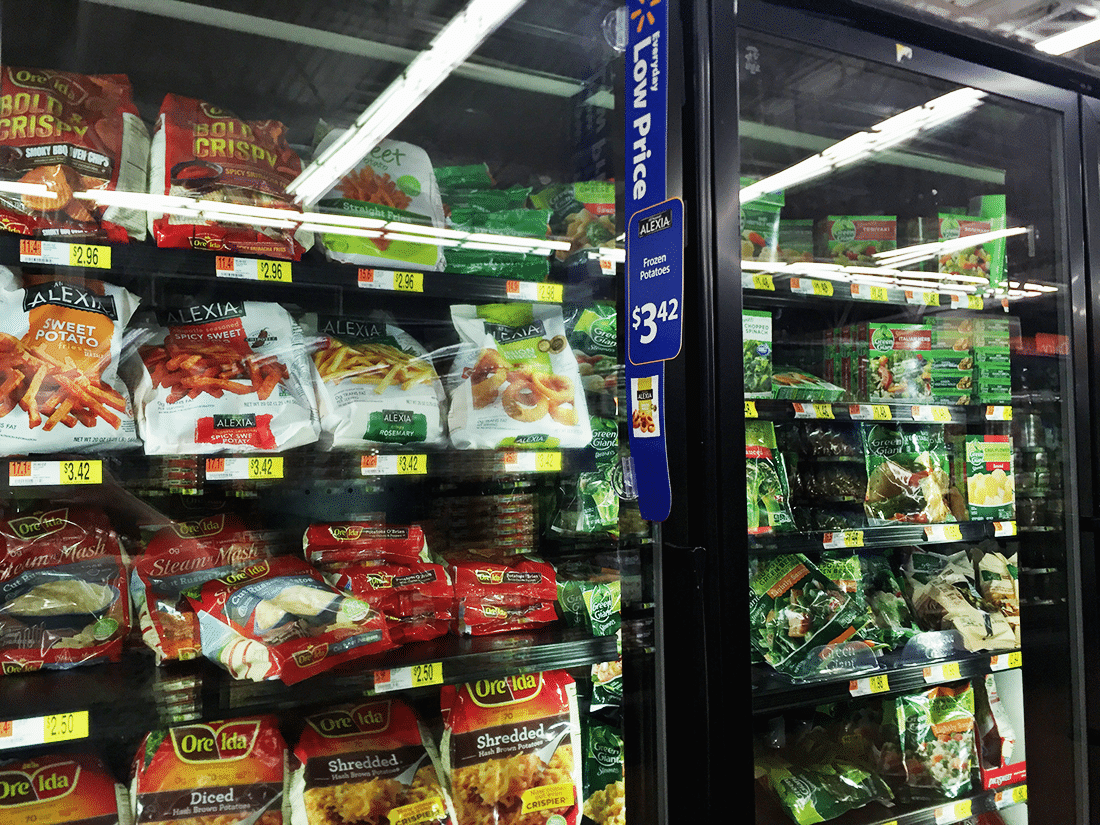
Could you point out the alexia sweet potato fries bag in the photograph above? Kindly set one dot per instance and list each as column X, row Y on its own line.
column 70, row 133
column 60, row 342
column 63, row 595
column 202, row 151
column 229, row 375
column 511, row 748
column 367, row 763
column 61, row 789
column 207, row 773
column 278, row 618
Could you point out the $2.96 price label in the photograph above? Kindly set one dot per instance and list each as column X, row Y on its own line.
column 252, row 269
column 64, row 254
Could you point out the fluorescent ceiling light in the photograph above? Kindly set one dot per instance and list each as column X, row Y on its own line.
column 885, row 135
column 918, row 252
column 449, row 49
column 1071, row 39
column 38, row 190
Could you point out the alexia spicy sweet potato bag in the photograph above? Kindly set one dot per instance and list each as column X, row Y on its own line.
column 203, row 151
column 70, row 133
column 206, row 773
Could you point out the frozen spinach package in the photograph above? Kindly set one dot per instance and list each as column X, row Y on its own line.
column 822, row 791
column 768, row 497
column 907, row 474
column 756, row 332
column 845, row 571
column 936, row 731
column 886, row 599
column 795, row 609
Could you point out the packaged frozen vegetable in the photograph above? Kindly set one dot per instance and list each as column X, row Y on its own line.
column 936, row 730
column 602, row 774
column 760, row 226
column 593, row 335
column 907, row 475
column 820, row 791
column 854, row 240
column 768, row 498
column 756, row 332
column 582, row 213
column 990, row 482
column 796, row 385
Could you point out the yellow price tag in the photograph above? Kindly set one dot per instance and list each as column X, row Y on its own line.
column 412, row 465
column 853, row 538
column 1019, row 793
column 951, row 671
column 943, row 532
column 931, row 299
column 941, row 414
column 550, row 293
column 964, row 808
column 90, row 255
column 265, row 467
column 1015, row 659
column 82, row 472
column 548, row 461
column 879, row 683
column 879, row 293
column 847, row 538
column 880, row 412
column 425, row 675
column 824, row 411
column 408, row 281
column 762, row 280
column 62, row 727
column 750, row 410
column 273, row 271
column 975, row 302
column 823, row 288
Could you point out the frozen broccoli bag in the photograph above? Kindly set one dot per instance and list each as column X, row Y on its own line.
column 845, row 571
column 794, row 609
column 887, row 602
column 821, row 791
column 768, row 493
column 514, row 381
column 907, row 475
column 936, row 730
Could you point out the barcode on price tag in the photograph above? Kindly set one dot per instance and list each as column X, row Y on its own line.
column 956, row 812
column 947, row 672
column 44, row 730
column 252, row 269
column 964, row 301
column 812, row 286
column 813, row 410
column 1006, row 661
column 879, row 683
column 56, row 253
column 255, row 468
column 1004, row 528
column 404, row 678
column 391, row 281
column 541, row 461
column 394, row 465
column 870, row 412
column 530, row 291
column 46, row 473
column 927, row 413
column 943, row 532
column 922, row 297
column 998, row 413
column 845, row 538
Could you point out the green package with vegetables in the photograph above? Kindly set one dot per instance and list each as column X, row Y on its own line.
column 820, row 791
column 936, row 738
column 756, row 335
column 908, row 476
column 760, row 226
column 769, row 495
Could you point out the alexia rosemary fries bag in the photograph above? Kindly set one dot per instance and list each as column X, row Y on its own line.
column 515, row 381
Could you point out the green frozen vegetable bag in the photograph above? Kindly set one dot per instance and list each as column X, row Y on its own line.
column 768, row 499
column 907, row 474
column 820, row 792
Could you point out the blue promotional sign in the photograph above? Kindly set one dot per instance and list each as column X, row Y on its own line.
column 655, row 282
column 646, row 128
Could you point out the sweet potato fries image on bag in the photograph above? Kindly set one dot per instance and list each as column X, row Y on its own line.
column 188, row 368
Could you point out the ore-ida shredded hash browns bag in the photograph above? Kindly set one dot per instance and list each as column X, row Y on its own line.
column 207, row 773
column 62, row 789
column 60, row 342
column 224, row 376
column 515, row 382
column 512, row 750
column 370, row 762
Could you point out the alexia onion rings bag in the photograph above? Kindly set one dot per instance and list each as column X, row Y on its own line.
column 279, row 618
column 367, row 763
column 180, row 557
column 512, row 750
column 59, row 354
column 375, row 385
column 61, row 789
column 202, row 151
column 515, row 381
column 224, row 376
column 70, row 134
column 208, row 773
column 63, row 595
column 394, row 182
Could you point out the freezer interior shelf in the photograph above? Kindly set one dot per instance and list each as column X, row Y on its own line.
column 773, row 409
column 889, row 535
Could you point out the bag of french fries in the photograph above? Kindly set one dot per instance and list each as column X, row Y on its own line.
column 514, row 382
column 59, row 351
column 228, row 376
column 375, row 385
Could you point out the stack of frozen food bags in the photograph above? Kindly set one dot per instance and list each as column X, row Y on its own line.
column 388, row 567
column 502, row 596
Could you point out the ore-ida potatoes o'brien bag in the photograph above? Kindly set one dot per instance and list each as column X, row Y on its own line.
column 60, row 341
column 515, row 382
column 230, row 375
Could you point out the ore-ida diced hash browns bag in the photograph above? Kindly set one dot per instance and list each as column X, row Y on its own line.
column 512, row 750
column 212, row 773
column 70, row 133
column 63, row 595
column 60, row 342
column 61, row 789
column 515, row 382
column 367, row 763
column 375, row 385
column 202, row 151
column 230, row 375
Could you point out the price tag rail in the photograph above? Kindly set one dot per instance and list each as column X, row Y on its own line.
column 887, row 535
column 925, row 411
column 774, row 692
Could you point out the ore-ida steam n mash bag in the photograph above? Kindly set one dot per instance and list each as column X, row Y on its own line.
column 61, row 789
column 60, row 341
column 394, row 182
column 70, row 133
column 231, row 375
column 515, row 381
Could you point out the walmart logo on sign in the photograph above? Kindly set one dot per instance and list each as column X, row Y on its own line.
column 643, row 15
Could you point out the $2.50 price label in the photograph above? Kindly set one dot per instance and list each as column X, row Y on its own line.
column 44, row 730
column 254, row 468
column 56, row 253
column 403, row 678
column 43, row 473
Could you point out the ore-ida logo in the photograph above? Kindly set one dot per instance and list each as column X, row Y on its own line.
column 643, row 16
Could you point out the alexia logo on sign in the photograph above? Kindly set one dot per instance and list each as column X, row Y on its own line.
column 655, row 223
column 50, row 782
